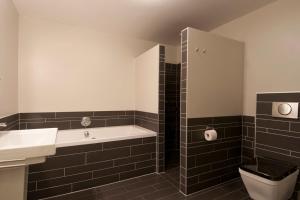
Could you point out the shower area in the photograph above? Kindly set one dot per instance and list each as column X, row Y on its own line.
column 172, row 121
column 181, row 101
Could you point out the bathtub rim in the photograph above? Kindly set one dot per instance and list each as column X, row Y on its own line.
column 149, row 133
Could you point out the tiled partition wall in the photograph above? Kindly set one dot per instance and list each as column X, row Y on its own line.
column 146, row 120
column 212, row 162
column 76, row 168
column 204, row 164
column 161, row 111
column 183, row 117
column 153, row 121
column 277, row 138
column 172, row 106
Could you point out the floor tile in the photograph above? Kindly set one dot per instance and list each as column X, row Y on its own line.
column 158, row 187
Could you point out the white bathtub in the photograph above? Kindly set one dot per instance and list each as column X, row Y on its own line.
column 75, row 137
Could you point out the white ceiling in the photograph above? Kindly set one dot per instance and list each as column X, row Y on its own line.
column 156, row 20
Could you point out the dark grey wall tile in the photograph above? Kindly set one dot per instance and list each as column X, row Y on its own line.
column 138, row 172
column 73, row 114
column 31, row 186
column 277, row 138
column 290, row 143
column 295, row 126
column 248, row 119
column 43, row 115
column 56, row 162
column 95, row 182
column 88, row 167
column 274, row 124
column 113, row 170
column 78, row 149
column 108, row 154
column 264, row 108
column 142, row 149
column 132, row 159
column 95, row 123
column 274, row 149
column 145, row 164
column 11, row 121
column 207, row 158
column 119, row 122
column 284, row 97
column 219, row 158
column 63, row 180
column 81, row 167
column 275, row 155
column 72, row 120
column 53, row 191
column 46, row 174
column 147, row 120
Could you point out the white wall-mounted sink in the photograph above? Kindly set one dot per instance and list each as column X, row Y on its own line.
column 26, row 146
column 17, row 150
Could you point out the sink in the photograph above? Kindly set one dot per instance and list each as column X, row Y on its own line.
column 26, row 146
column 18, row 149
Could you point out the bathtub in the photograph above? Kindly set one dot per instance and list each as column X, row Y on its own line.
column 107, row 155
column 75, row 137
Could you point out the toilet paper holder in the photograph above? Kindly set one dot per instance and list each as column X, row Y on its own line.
column 209, row 128
column 210, row 134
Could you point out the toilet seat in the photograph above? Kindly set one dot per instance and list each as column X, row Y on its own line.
column 270, row 169
column 268, row 179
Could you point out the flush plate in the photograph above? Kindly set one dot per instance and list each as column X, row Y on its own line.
column 285, row 109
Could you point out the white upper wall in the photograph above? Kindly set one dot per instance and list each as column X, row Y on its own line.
column 272, row 63
column 147, row 81
column 70, row 68
column 8, row 58
column 172, row 54
column 215, row 75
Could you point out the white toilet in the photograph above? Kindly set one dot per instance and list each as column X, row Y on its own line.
column 269, row 179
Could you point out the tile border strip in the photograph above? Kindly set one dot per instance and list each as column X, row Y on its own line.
column 183, row 114
column 161, row 112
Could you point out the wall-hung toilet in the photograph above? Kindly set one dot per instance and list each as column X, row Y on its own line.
column 269, row 179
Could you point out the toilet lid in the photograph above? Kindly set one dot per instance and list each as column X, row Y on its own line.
column 271, row 169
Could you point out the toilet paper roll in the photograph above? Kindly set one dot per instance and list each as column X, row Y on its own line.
column 211, row 135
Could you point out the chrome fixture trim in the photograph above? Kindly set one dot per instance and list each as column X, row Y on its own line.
column 86, row 121
column 285, row 109
column 86, row 134
column 3, row 124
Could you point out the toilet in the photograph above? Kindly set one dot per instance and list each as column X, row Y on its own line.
column 269, row 179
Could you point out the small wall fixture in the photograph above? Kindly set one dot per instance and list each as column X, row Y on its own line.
column 203, row 51
column 285, row 109
column 3, row 125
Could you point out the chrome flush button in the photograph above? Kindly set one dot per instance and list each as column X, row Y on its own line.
column 284, row 109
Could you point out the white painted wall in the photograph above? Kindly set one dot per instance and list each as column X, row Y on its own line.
column 8, row 58
column 147, row 80
column 172, row 54
column 69, row 68
column 215, row 78
column 272, row 62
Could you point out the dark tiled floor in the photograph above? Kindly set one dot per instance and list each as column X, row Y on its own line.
column 172, row 175
column 160, row 187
